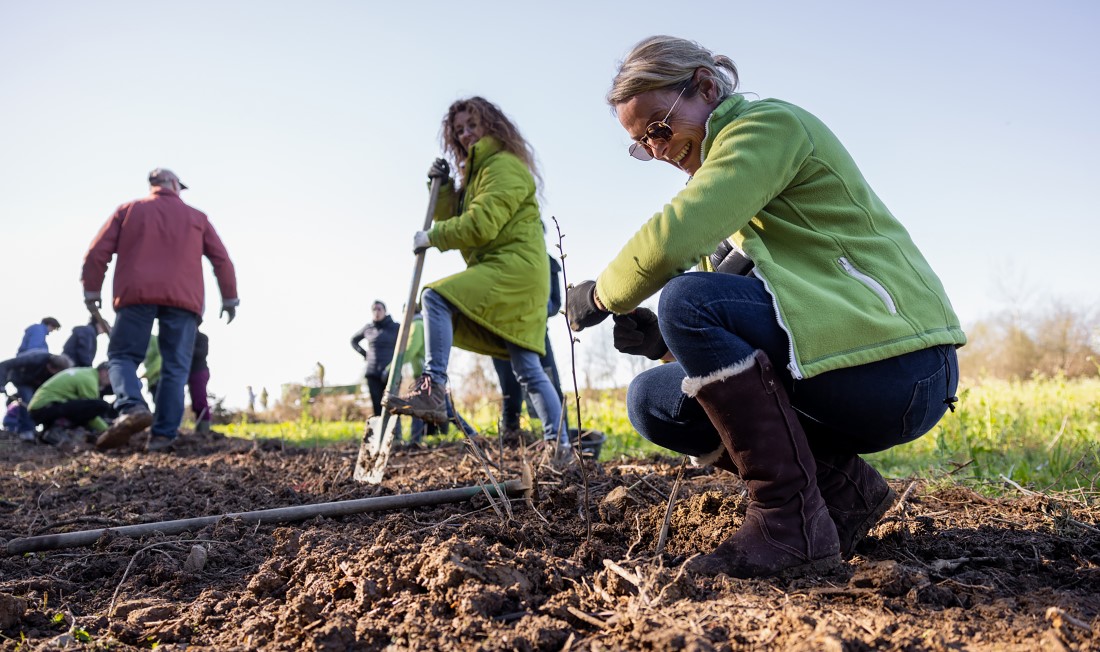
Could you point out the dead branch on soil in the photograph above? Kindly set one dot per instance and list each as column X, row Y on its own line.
column 576, row 389
column 480, row 455
column 114, row 596
column 662, row 538
column 900, row 506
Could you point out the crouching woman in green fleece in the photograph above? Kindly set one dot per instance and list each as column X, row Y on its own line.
column 839, row 339
column 497, row 305
column 72, row 399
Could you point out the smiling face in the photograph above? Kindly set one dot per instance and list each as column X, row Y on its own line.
column 687, row 118
column 468, row 129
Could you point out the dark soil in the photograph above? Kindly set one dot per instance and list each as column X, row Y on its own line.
column 574, row 569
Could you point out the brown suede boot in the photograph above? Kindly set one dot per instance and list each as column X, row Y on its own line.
column 857, row 496
column 787, row 529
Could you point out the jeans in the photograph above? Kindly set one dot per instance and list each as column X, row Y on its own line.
column 23, row 418
column 712, row 321
column 512, row 394
column 439, row 338
column 130, row 338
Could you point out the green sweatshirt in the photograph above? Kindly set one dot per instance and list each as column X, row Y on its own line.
column 849, row 285
column 69, row 385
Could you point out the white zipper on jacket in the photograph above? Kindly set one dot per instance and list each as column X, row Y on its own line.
column 871, row 283
column 792, row 364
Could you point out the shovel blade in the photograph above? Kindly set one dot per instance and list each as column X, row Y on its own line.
column 374, row 450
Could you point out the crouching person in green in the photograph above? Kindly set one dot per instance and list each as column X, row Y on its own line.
column 71, row 400
column 838, row 340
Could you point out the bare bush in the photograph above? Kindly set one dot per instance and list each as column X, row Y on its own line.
column 1016, row 344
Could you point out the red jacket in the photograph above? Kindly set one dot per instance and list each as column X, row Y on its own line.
column 160, row 242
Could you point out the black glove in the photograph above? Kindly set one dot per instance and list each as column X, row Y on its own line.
column 639, row 334
column 581, row 309
column 439, row 169
column 728, row 260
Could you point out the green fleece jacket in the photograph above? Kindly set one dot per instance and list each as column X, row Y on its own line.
column 501, row 296
column 849, row 285
column 70, row 385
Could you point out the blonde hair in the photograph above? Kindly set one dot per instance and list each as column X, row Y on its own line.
column 660, row 62
column 496, row 124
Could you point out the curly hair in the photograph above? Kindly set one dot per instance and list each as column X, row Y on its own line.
column 496, row 124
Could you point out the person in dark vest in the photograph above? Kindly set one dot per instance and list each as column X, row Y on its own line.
column 81, row 346
column 381, row 336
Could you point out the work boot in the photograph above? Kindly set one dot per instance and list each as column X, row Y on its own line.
column 427, row 401
column 58, row 436
column 787, row 529
column 856, row 495
column 124, row 427
column 160, row 444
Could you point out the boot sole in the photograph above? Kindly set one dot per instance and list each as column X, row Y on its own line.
column 435, row 418
column 872, row 519
column 815, row 567
column 119, row 435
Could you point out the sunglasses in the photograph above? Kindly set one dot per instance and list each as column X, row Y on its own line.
column 659, row 130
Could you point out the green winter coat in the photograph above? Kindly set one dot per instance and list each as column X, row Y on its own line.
column 69, row 385
column 849, row 286
column 501, row 296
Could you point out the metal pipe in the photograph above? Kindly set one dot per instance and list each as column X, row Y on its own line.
column 276, row 515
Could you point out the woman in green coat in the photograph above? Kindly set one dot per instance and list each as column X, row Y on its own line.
column 497, row 305
column 839, row 340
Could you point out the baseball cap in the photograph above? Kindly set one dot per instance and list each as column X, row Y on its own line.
column 164, row 175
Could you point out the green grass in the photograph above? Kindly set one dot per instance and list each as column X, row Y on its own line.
column 1042, row 433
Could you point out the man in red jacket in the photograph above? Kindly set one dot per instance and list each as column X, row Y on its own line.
column 159, row 242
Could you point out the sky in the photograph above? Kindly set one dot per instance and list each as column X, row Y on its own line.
column 305, row 131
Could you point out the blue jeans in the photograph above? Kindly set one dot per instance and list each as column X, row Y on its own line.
column 23, row 418
column 712, row 321
column 439, row 338
column 130, row 339
column 512, row 394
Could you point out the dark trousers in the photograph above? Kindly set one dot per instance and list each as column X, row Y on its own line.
column 512, row 392
column 376, row 385
column 77, row 411
column 196, row 386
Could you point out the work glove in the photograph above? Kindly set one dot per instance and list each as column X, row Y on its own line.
column 639, row 334
column 439, row 170
column 93, row 301
column 728, row 260
column 421, row 242
column 229, row 307
column 581, row 309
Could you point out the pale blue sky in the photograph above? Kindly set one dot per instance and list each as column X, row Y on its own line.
column 305, row 130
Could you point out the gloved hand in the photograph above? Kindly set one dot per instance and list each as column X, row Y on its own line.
column 639, row 334
column 229, row 307
column 581, row 309
column 93, row 301
column 421, row 242
column 439, row 170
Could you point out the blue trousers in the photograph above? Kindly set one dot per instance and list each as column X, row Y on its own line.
column 711, row 321
column 129, row 340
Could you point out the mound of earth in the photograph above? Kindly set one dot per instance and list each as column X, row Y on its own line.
column 576, row 566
